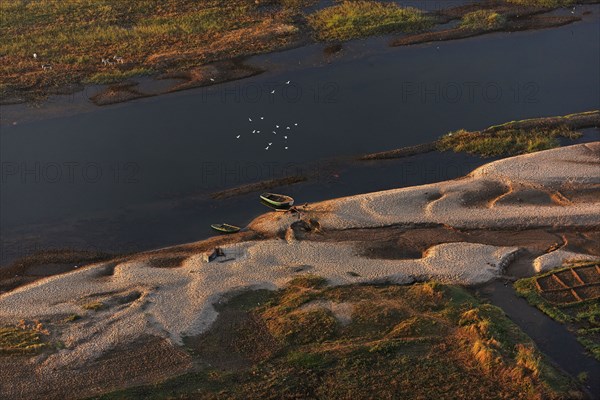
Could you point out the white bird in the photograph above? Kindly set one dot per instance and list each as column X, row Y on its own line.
column 212, row 79
column 46, row 66
column 287, row 127
column 272, row 91
column 254, row 131
column 238, row 136
column 285, row 137
column 35, row 55
column 270, row 144
column 276, row 126
column 262, row 117
column 250, row 119
column 288, row 82
column 257, row 131
column 267, row 148
column 286, row 147
column 296, row 124
column 275, row 133
column 118, row 59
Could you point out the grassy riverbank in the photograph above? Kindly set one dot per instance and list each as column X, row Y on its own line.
column 72, row 37
column 519, row 137
column 309, row 340
column 80, row 42
column 505, row 142
column 510, row 138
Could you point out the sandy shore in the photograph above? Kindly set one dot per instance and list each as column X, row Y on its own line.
column 557, row 188
column 542, row 189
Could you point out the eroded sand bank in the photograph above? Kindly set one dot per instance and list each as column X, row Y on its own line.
column 550, row 188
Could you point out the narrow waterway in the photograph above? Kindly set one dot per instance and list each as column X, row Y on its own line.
column 551, row 337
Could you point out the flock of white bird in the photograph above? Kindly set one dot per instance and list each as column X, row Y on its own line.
column 274, row 128
column 113, row 60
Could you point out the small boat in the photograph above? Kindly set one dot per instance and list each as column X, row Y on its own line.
column 277, row 200
column 274, row 208
column 225, row 228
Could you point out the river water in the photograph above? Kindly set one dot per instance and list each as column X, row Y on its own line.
column 551, row 337
column 136, row 176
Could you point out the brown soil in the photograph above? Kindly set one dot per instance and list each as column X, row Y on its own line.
column 206, row 75
column 148, row 360
column 403, row 152
column 118, row 94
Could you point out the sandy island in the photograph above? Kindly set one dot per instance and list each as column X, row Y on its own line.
column 554, row 192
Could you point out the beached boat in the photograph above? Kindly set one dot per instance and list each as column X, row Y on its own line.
column 225, row 228
column 277, row 200
column 275, row 208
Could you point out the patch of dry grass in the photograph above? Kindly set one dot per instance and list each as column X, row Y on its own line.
column 420, row 341
column 73, row 36
column 482, row 19
column 352, row 19
column 24, row 337
column 94, row 306
column 505, row 142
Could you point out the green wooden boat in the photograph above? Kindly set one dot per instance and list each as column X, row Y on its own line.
column 274, row 208
column 277, row 200
column 225, row 228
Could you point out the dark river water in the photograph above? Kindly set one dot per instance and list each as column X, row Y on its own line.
column 551, row 337
column 136, row 176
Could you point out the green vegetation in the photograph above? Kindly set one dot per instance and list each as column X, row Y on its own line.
column 543, row 3
column 73, row 36
column 72, row 318
column 352, row 19
column 24, row 337
column 94, row 306
column 420, row 341
column 582, row 317
column 505, row 141
column 482, row 19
